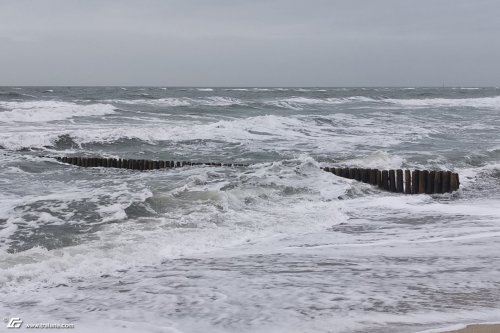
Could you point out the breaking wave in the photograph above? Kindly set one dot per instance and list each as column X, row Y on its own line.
column 45, row 111
column 481, row 102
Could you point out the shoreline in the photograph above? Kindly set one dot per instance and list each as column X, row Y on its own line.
column 468, row 328
column 478, row 328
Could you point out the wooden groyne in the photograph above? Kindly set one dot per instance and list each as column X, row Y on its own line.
column 95, row 162
column 403, row 181
column 399, row 181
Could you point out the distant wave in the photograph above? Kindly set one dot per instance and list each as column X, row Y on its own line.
column 293, row 103
column 298, row 103
column 14, row 94
column 485, row 102
column 183, row 101
column 44, row 111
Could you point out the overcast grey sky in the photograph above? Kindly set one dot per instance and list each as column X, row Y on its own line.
column 250, row 43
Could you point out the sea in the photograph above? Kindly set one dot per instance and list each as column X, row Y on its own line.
column 277, row 245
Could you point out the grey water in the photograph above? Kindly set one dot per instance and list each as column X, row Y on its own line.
column 278, row 246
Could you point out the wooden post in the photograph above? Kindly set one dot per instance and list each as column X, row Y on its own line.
column 407, row 181
column 454, row 182
column 392, row 181
column 366, row 176
column 399, row 181
column 445, row 176
column 357, row 174
column 421, row 181
column 351, row 173
column 437, row 182
column 379, row 178
column 385, row 179
column 178, row 164
column 345, row 172
column 414, row 182
column 327, row 169
column 373, row 177
column 429, row 184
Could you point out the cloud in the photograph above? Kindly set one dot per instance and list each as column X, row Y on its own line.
column 231, row 42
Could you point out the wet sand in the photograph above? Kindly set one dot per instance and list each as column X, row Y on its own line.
column 494, row 328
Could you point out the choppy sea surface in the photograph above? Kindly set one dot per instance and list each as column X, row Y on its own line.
column 278, row 246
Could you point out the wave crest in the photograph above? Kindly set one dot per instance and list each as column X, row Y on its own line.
column 45, row 111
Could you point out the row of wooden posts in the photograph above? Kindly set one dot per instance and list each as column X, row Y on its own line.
column 409, row 182
column 402, row 181
column 132, row 163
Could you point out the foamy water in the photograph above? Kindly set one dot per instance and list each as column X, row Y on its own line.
column 279, row 246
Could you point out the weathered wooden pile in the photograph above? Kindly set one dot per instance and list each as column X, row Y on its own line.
column 132, row 163
column 409, row 182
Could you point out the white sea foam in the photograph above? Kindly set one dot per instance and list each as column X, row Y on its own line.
column 298, row 103
column 273, row 247
column 45, row 111
column 183, row 101
column 481, row 102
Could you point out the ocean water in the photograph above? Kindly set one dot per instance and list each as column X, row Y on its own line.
column 278, row 246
